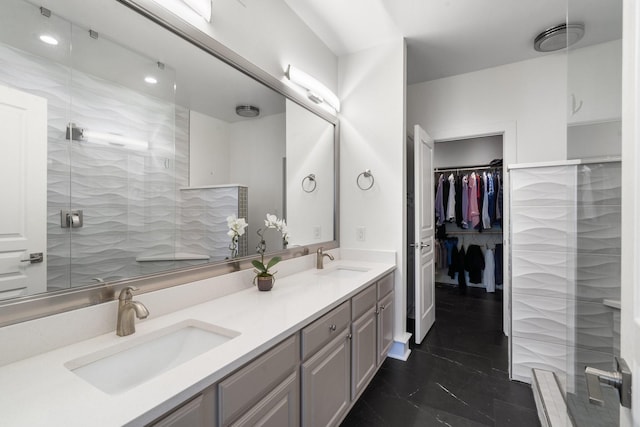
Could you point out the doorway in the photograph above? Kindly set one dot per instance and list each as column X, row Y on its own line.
column 504, row 141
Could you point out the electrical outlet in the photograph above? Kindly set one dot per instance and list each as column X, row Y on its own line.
column 317, row 231
column 361, row 234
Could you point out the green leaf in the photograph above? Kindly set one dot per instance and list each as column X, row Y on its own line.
column 260, row 266
column 274, row 261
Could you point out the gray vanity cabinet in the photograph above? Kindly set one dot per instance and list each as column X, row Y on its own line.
column 197, row 412
column 326, row 370
column 266, row 391
column 385, row 317
column 280, row 408
column 364, row 338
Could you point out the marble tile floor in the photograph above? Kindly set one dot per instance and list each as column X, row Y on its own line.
column 458, row 376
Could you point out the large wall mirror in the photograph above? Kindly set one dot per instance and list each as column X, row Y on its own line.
column 151, row 145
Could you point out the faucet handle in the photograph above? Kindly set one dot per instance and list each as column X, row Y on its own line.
column 127, row 292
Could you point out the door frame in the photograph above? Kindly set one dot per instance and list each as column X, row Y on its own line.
column 509, row 154
column 630, row 270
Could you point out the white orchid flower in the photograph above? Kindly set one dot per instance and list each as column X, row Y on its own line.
column 271, row 221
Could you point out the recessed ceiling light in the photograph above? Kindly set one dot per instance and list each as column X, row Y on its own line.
column 558, row 37
column 151, row 80
column 45, row 38
column 247, row 111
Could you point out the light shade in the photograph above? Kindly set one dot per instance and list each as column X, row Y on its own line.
column 316, row 91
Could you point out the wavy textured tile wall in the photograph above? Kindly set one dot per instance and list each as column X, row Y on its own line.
column 565, row 261
column 130, row 198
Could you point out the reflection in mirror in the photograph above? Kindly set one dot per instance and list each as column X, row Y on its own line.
column 147, row 157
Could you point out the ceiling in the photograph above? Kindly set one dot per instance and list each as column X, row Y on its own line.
column 128, row 48
column 450, row 37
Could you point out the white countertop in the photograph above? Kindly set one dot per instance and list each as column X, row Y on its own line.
column 40, row 391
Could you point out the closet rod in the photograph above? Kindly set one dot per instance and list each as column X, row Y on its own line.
column 466, row 168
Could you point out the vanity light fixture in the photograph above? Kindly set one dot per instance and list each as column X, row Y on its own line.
column 104, row 138
column 48, row 39
column 316, row 91
column 201, row 7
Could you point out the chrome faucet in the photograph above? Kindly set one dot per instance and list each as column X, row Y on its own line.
column 320, row 258
column 126, row 309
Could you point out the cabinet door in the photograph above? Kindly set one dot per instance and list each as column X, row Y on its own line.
column 363, row 351
column 280, row 408
column 326, row 383
column 246, row 387
column 198, row 412
column 385, row 326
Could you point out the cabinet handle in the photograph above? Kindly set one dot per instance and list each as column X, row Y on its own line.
column 382, row 307
column 350, row 336
column 332, row 328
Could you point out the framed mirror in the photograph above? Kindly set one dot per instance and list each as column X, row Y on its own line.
column 142, row 148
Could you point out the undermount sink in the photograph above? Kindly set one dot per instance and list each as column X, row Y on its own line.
column 343, row 272
column 124, row 366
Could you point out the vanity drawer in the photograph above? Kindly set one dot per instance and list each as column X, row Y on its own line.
column 363, row 302
column 325, row 328
column 385, row 285
column 243, row 389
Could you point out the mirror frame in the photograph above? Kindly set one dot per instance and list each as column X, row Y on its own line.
column 41, row 305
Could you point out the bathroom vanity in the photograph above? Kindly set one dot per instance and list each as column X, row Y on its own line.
column 300, row 354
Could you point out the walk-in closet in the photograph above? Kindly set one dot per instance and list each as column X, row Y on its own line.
column 468, row 203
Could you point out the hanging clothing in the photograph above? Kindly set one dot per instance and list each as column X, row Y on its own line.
column 474, row 212
column 479, row 196
column 462, row 280
column 486, row 219
column 450, row 244
column 474, row 263
column 498, row 262
column 453, row 266
column 445, row 197
column 499, row 202
column 451, row 201
column 459, row 201
column 439, row 206
column 465, row 202
column 488, row 275
column 491, row 197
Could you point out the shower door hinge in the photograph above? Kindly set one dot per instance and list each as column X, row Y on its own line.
column 73, row 219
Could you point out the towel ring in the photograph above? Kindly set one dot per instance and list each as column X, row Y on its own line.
column 311, row 178
column 366, row 174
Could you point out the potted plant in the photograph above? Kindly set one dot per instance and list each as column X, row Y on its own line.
column 264, row 278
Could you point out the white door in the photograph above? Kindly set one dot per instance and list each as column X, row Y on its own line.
column 630, row 279
column 425, row 309
column 23, row 192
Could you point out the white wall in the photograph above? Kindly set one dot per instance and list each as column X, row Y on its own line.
column 467, row 152
column 530, row 93
column 372, row 136
column 208, row 150
column 256, row 154
column 310, row 150
column 595, row 81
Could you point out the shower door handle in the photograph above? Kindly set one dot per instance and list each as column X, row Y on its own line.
column 620, row 379
column 420, row 245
